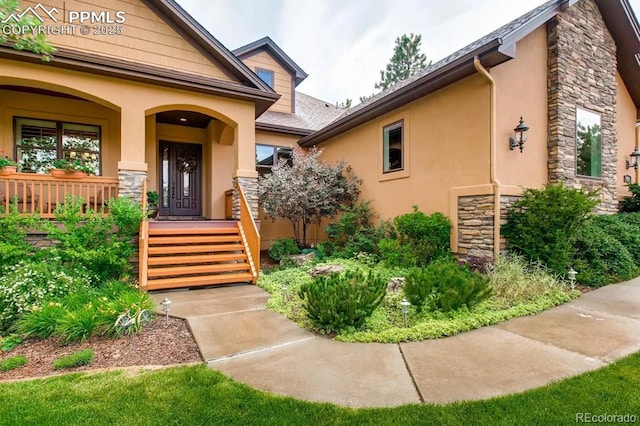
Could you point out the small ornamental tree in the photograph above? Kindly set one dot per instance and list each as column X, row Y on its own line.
column 17, row 31
column 306, row 191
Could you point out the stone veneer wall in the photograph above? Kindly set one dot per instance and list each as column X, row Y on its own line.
column 130, row 184
column 250, row 188
column 475, row 225
column 582, row 73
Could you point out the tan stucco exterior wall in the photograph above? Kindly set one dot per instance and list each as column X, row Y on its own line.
column 145, row 38
column 521, row 91
column 446, row 144
column 282, row 79
column 626, row 119
column 27, row 105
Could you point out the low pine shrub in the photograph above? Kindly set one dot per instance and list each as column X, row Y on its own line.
column 631, row 203
column 445, row 286
column 13, row 363
column 627, row 233
column 283, row 247
column 543, row 224
column 600, row 258
column 342, row 301
column 76, row 359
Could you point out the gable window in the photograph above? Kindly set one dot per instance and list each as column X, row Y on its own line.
column 266, row 76
column 392, row 147
column 40, row 142
column 267, row 156
column 588, row 144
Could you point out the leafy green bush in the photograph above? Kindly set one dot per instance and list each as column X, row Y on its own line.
column 393, row 253
column 344, row 300
column 514, row 280
column 427, row 235
column 543, row 224
column 9, row 342
column 13, row 231
column 628, row 234
column 600, row 258
column 28, row 284
column 355, row 232
column 631, row 203
column 100, row 243
column 76, row 359
column 445, row 286
column 13, row 363
column 283, row 247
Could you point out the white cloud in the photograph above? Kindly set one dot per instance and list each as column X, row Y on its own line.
column 343, row 45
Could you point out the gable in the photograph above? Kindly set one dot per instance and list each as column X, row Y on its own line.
column 283, row 79
column 143, row 38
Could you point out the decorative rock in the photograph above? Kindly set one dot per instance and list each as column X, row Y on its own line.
column 396, row 284
column 325, row 270
column 298, row 259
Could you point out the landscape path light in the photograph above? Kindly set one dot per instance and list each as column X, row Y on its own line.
column 404, row 306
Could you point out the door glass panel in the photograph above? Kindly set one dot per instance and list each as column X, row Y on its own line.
column 185, row 184
column 165, row 177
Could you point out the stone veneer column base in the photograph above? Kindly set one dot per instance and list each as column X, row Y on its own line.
column 476, row 225
column 250, row 188
column 131, row 184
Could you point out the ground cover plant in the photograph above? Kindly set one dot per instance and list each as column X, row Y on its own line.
column 13, row 363
column 200, row 395
column 386, row 322
column 76, row 359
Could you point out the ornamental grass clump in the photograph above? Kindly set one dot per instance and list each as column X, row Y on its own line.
column 13, row 363
column 343, row 301
column 76, row 359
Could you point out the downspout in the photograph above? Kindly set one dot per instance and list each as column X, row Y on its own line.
column 493, row 175
column 637, row 170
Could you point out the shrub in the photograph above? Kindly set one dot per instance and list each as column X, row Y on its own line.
column 543, row 224
column 283, row 247
column 101, row 244
column 600, row 258
column 514, row 280
column 13, row 231
column 428, row 236
column 631, row 203
column 393, row 253
column 28, row 284
column 76, row 359
column 13, row 363
column 344, row 300
column 628, row 234
column 9, row 342
column 445, row 286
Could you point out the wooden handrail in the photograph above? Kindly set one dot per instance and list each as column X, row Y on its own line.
column 143, row 255
column 251, row 233
column 40, row 193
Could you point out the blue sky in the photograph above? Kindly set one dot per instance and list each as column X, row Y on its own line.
column 343, row 44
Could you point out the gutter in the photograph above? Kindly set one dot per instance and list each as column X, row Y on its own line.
column 637, row 145
column 492, row 157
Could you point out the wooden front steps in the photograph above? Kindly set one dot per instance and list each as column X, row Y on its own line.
column 195, row 253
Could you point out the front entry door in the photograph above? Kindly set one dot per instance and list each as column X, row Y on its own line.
column 180, row 179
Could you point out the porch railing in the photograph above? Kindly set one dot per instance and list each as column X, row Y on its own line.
column 250, row 233
column 42, row 194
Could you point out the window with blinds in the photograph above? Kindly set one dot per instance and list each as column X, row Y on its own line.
column 40, row 142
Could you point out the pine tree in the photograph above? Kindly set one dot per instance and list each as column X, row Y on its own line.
column 406, row 61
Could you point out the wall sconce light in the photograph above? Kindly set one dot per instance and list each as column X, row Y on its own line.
column 520, row 136
column 634, row 159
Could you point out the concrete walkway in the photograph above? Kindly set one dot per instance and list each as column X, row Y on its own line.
column 239, row 337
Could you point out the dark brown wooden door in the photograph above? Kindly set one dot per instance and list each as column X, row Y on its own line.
column 180, row 179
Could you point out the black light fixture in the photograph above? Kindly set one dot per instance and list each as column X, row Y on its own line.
column 634, row 159
column 520, row 136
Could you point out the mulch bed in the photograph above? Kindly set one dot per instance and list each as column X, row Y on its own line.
column 157, row 344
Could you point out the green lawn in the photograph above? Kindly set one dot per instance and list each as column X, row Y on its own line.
column 197, row 395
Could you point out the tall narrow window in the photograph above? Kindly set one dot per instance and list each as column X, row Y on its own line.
column 588, row 144
column 266, row 76
column 392, row 147
column 40, row 142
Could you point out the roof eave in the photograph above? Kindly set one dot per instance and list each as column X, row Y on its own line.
column 266, row 43
column 268, row 127
column 489, row 54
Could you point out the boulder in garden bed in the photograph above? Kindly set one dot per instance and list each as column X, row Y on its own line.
column 325, row 270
